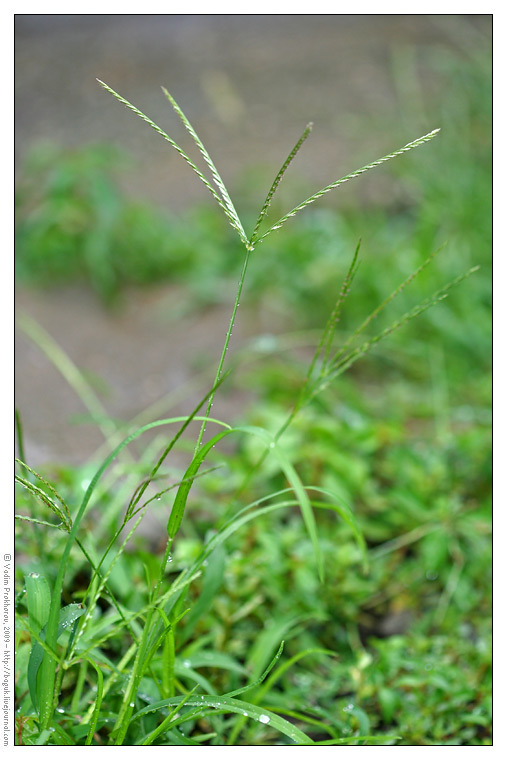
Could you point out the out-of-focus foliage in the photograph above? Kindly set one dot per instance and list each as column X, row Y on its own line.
column 404, row 439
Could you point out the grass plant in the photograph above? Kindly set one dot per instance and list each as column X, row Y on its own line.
column 114, row 647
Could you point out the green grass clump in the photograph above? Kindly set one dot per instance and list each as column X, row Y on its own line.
column 228, row 632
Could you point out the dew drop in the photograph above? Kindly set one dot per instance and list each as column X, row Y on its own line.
column 263, row 718
column 34, row 575
column 186, row 663
column 132, row 704
column 272, row 445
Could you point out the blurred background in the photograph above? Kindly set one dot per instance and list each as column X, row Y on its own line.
column 122, row 256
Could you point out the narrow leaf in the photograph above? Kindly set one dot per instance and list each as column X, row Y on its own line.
column 228, row 705
column 38, row 599
column 98, row 703
column 68, row 615
column 261, row 678
column 295, row 482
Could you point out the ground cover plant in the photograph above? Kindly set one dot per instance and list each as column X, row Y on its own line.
column 203, row 643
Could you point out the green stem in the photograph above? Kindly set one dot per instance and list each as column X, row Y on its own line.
column 78, row 690
column 226, row 345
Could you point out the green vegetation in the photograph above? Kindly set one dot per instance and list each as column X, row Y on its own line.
column 326, row 576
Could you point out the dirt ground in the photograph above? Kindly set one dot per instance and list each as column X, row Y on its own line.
column 249, row 84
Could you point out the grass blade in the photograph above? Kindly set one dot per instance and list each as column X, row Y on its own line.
column 38, row 598
column 49, row 666
column 98, row 703
column 230, row 705
column 166, row 723
column 68, row 615
column 180, row 501
column 20, row 440
column 351, row 739
column 261, row 678
column 71, row 373
column 296, row 484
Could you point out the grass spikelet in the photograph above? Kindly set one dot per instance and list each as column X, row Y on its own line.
column 277, row 180
column 375, row 313
column 216, row 176
column 339, row 365
column 63, row 512
column 182, row 153
column 347, row 178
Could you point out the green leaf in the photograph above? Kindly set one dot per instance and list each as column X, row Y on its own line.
column 213, row 578
column 230, row 705
column 180, row 501
column 38, row 599
column 98, row 703
column 298, row 488
column 68, row 615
